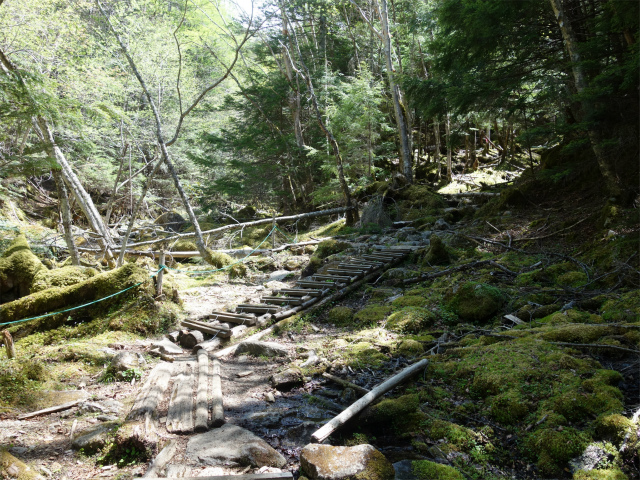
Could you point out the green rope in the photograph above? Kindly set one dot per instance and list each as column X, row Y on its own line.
column 81, row 306
column 286, row 236
column 198, row 272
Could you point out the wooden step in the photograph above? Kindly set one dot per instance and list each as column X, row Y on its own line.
column 378, row 257
column 355, row 267
column 316, row 284
column 257, row 308
column 202, row 391
column 318, row 277
column 282, row 300
column 240, row 319
column 366, row 263
column 342, row 271
column 220, row 330
column 181, row 405
column 299, row 292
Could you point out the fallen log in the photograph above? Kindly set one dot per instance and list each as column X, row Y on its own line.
column 54, row 409
column 180, row 413
column 345, row 383
column 255, row 223
column 355, row 408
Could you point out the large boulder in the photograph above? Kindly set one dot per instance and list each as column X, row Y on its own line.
column 325, row 462
column 230, row 445
column 124, row 361
column 262, row 349
column 18, row 269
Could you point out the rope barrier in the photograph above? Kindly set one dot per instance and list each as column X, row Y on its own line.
column 162, row 267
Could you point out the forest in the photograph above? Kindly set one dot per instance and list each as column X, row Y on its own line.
column 166, row 163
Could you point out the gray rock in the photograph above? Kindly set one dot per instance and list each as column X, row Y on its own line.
column 300, row 435
column 258, row 349
column 232, row 445
column 93, row 438
column 280, row 275
column 107, row 418
column 92, row 407
column 266, row 419
column 296, row 262
column 324, row 462
column 441, row 225
column 167, row 347
column 127, row 360
column 593, row 455
column 112, row 406
column 290, row 378
column 404, row 470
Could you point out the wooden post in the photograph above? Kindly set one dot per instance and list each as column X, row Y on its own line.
column 202, row 402
column 273, row 233
column 160, row 273
column 8, row 344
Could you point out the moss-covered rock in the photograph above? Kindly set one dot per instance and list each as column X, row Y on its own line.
column 97, row 287
column 220, row 259
column 411, row 320
column 371, row 315
column 362, row 462
column 615, row 427
column 363, row 354
column 410, row 347
column 62, row 277
column 340, row 315
column 624, row 308
column 18, row 270
column 239, row 270
column 476, row 302
column 395, row 412
column 572, row 279
column 184, row 245
column 409, row 301
column 437, row 254
column 330, row 247
column 575, row 333
column 171, row 221
column 11, row 467
column 426, row 470
column 555, row 447
column 509, row 407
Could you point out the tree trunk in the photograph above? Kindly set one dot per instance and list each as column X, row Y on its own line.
column 65, row 212
column 112, row 198
column 449, row 153
column 436, row 152
column 134, row 213
column 294, row 98
column 206, row 255
column 352, row 213
column 398, row 108
column 571, row 44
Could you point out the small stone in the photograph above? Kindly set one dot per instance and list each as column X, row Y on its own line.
column 167, row 347
column 290, row 378
column 93, row 438
column 126, row 361
column 269, row 397
column 404, row 470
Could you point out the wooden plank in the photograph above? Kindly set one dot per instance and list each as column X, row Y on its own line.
column 341, row 271
column 257, row 308
column 247, row 476
column 299, row 292
column 353, row 266
column 151, row 392
column 217, row 325
column 381, row 258
column 217, row 408
column 514, row 319
column 355, row 408
column 180, row 414
column 202, row 402
column 314, row 284
column 334, row 278
column 240, row 319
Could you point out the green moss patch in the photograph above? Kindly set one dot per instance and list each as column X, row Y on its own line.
column 426, row 470
column 340, row 315
column 371, row 315
column 18, row 269
column 409, row 301
column 363, row 354
column 437, row 254
column 554, row 448
column 62, row 277
column 600, row 474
